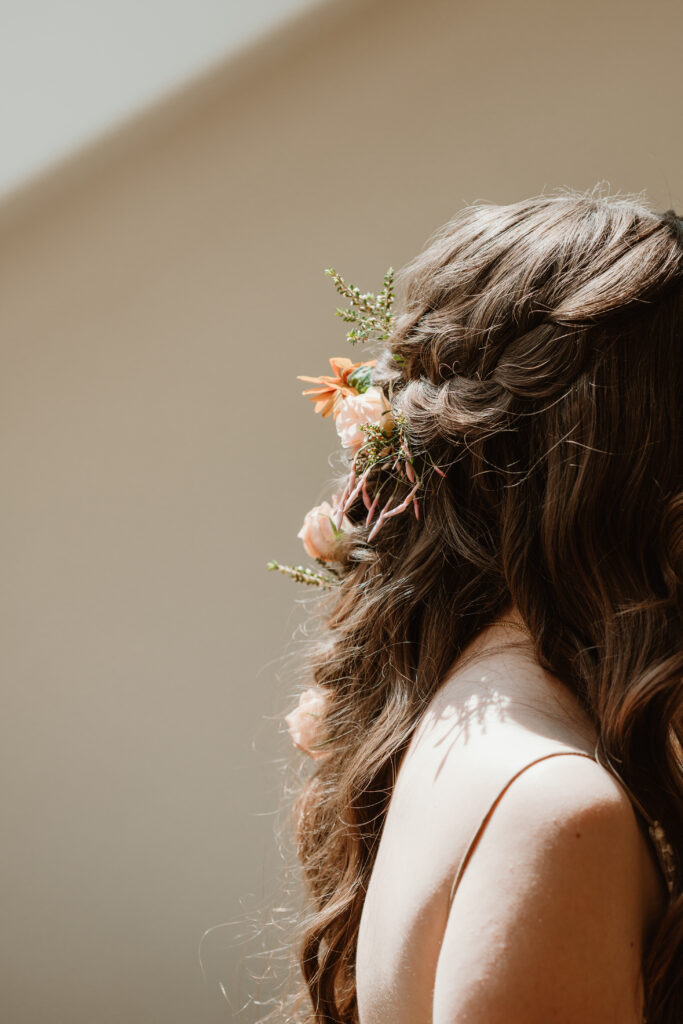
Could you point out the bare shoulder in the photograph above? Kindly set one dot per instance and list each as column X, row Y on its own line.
column 547, row 921
column 552, row 795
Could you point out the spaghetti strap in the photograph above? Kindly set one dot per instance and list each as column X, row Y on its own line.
column 663, row 849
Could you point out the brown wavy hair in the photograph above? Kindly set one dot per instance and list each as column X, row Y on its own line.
column 539, row 349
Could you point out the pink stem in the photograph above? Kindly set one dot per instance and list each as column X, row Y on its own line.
column 376, row 527
column 355, row 492
column 366, row 497
column 372, row 510
column 415, row 508
column 404, row 504
column 343, row 499
column 439, row 471
column 340, row 508
column 380, row 520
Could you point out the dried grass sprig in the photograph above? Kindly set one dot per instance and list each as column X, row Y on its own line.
column 302, row 574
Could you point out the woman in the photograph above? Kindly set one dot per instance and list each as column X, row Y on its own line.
column 501, row 678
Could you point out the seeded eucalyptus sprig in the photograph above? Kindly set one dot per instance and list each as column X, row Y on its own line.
column 372, row 313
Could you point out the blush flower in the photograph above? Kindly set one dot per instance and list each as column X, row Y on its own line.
column 370, row 406
column 305, row 721
column 319, row 534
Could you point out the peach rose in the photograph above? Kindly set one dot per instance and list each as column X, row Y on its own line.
column 318, row 531
column 369, row 406
column 304, row 723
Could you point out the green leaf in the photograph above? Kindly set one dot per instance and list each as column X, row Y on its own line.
column 361, row 378
column 337, row 533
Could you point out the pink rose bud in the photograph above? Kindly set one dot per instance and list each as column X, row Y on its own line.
column 317, row 532
column 371, row 406
column 305, row 722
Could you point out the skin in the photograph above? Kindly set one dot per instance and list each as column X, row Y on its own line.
column 550, row 918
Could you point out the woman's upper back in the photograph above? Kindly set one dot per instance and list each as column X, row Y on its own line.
column 419, row 960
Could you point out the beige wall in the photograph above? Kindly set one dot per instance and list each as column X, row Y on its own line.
column 157, row 299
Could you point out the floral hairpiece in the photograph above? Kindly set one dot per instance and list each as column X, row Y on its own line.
column 366, row 425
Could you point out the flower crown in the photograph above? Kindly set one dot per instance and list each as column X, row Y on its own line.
column 367, row 426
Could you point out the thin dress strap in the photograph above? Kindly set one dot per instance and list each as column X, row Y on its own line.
column 663, row 849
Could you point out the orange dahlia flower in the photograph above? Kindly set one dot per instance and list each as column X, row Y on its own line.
column 333, row 390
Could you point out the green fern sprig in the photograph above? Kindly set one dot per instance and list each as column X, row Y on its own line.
column 372, row 313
